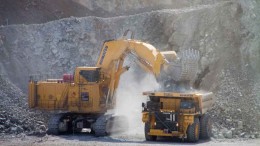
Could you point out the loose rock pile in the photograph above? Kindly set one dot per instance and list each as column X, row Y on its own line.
column 15, row 117
column 236, row 111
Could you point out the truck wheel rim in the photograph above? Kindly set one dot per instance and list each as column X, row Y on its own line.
column 197, row 131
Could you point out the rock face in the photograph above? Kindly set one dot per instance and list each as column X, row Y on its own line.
column 58, row 47
column 38, row 11
column 226, row 33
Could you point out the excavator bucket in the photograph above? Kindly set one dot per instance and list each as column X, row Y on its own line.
column 185, row 67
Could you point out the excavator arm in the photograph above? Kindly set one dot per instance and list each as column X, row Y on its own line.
column 162, row 64
column 117, row 50
column 113, row 53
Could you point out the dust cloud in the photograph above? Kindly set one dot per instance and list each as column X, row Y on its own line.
column 130, row 98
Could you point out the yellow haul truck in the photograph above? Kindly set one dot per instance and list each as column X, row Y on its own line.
column 87, row 95
column 174, row 114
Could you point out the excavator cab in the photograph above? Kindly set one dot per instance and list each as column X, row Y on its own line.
column 85, row 75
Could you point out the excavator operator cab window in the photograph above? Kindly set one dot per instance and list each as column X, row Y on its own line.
column 91, row 75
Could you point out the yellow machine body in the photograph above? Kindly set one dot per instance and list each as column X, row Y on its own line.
column 81, row 95
column 92, row 88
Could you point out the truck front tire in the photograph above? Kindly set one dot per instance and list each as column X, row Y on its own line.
column 193, row 131
column 146, row 131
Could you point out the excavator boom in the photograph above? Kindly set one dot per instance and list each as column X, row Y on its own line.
column 118, row 49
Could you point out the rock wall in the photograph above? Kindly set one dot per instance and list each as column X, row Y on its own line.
column 38, row 11
column 58, row 47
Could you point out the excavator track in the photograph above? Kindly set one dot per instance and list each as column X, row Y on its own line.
column 53, row 124
column 100, row 126
column 104, row 125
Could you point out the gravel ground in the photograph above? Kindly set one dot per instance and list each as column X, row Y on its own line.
column 78, row 140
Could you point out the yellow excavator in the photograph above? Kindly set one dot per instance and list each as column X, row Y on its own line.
column 89, row 93
column 85, row 97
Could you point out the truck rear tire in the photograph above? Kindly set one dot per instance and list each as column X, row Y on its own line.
column 146, row 131
column 193, row 131
column 205, row 126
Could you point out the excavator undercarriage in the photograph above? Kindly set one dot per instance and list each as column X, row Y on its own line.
column 100, row 125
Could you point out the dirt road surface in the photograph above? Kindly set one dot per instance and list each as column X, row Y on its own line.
column 117, row 140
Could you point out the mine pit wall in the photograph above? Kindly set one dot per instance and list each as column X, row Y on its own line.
column 38, row 11
column 57, row 47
